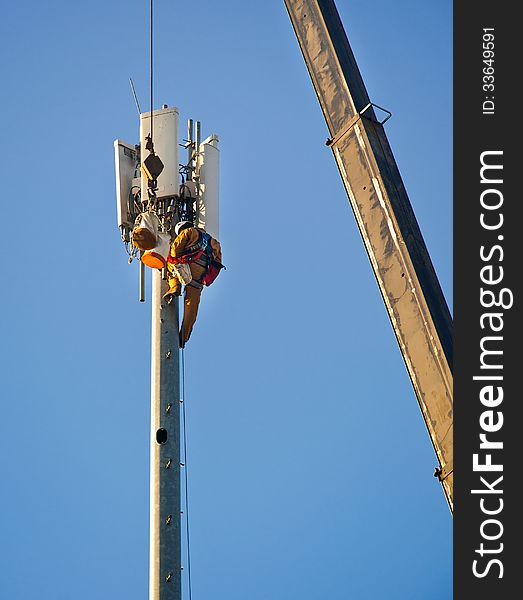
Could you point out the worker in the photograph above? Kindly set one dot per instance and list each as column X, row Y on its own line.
column 192, row 246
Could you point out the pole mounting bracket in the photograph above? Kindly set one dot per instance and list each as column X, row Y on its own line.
column 443, row 472
column 355, row 119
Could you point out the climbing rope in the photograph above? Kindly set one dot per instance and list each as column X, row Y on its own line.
column 182, row 396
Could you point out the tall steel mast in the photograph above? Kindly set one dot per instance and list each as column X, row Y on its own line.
column 194, row 198
column 165, row 497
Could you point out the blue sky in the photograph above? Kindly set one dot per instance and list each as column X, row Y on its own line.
column 310, row 466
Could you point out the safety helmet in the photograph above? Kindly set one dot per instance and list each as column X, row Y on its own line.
column 181, row 225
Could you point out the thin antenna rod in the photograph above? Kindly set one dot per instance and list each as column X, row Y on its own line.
column 151, row 61
column 135, row 96
column 190, row 148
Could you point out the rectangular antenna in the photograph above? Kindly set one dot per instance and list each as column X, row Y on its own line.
column 165, row 146
column 126, row 158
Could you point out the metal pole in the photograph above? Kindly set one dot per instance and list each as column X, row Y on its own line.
column 165, row 504
column 198, row 127
column 196, row 176
column 190, row 149
column 142, row 280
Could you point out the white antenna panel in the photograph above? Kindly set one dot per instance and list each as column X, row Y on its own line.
column 125, row 158
column 208, row 206
column 165, row 139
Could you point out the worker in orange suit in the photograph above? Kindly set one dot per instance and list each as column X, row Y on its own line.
column 203, row 254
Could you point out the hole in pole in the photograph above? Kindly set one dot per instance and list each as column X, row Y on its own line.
column 161, row 435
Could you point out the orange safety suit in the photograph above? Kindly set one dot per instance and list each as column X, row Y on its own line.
column 185, row 239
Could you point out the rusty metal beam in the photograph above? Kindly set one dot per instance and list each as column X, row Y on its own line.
column 408, row 283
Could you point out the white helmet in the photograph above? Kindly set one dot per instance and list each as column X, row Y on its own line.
column 180, row 225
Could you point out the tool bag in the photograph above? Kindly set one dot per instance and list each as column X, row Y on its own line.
column 213, row 270
column 182, row 272
column 145, row 232
column 157, row 257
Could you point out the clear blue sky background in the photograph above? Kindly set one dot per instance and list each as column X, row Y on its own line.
column 310, row 464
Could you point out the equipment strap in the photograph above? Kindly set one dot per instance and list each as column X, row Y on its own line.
column 203, row 262
column 194, row 252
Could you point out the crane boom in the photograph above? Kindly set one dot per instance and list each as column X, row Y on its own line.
column 406, row 277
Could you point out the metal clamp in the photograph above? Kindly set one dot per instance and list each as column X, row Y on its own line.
column 443, row 472
column 354, row 120
column 389, row 114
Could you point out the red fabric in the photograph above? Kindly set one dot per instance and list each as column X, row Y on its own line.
column 186, row 258
column 213, row 270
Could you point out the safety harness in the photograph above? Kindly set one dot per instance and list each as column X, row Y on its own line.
column 200, row 254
